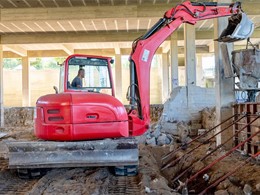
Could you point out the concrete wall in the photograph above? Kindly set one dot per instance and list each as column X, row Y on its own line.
column 178, row 108
column 41, row 83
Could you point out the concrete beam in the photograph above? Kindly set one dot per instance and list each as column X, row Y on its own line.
column 117, row 49
column 99, row 12
column 211, row 46
column 111, row 36
column 71, row 37
column 19, row 50
column 68, row 49
column 104, row 52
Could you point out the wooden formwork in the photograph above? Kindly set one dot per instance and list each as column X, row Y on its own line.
column 252, row 111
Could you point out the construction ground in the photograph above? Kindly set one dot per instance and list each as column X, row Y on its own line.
column 157, row 174
column 204, row 136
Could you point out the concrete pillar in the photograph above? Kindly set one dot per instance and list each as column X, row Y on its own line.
column 190, row 54
column 1, row 89
column 199, row 72
column 174, row 60
column 190, row 59
column 26, row 81
column 118, row 77
column 165, row 77
column 225, row 95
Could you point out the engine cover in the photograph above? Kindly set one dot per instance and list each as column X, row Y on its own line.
column 80, row 116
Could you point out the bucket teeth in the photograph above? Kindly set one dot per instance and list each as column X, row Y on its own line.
column 239, row 27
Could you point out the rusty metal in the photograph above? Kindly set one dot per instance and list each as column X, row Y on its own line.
column 217, row 181
column 181, row 174
column 198, row 137
column 220, row 158
column 236, row 133
column 171, row 163
column 253, row 146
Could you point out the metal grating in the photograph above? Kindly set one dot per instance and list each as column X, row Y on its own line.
column 252, row 110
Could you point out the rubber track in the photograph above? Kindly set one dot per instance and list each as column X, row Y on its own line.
column 121, row 185
column 13, row 185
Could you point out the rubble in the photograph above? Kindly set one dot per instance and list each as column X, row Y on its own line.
column 18, row 116
column 208, row 117
column 3, row 150
column 247, row 189
column 2, row 134
column 221, row 192
column 257, row 186
column 163, row 139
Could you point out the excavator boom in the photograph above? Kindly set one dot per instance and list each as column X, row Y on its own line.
column 144, row 48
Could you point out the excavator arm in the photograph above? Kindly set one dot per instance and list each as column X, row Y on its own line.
column 144, row 48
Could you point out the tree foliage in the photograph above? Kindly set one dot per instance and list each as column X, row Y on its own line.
column 37, row 63
column 11, row 63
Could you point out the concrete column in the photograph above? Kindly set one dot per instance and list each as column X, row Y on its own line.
column 224, row 87
column 199, row 72
column 190, row 59
column 174, row 60
column 26, row 81
column 165, row 77
column 1, row 88
column 190, row 54
column 118, row 77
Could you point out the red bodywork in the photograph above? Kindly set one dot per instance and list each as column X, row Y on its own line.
column 80, row 115
column 86, row 115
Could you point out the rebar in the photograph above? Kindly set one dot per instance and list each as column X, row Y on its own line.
column 217, row 181
column 198, row 137
column 219, row 159
column 170, row 163
column 219, row 146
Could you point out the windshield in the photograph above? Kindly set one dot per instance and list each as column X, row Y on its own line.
column 89, row 73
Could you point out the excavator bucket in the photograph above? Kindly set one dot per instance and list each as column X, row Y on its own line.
column 47, row 154
column 239, row 27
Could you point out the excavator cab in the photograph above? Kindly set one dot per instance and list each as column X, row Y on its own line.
column 97, row 74
column 239, row 27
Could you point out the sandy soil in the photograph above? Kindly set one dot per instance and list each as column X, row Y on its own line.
column 150, row 179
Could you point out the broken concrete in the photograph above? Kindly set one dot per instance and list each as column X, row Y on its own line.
column 178, row 108
column 208, row 117
column 182, row 117
column 19, row 116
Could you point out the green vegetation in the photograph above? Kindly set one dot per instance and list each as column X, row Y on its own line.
column 11, row 63
column 37, row 63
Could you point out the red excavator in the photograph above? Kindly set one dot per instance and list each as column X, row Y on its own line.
column 85, row 125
